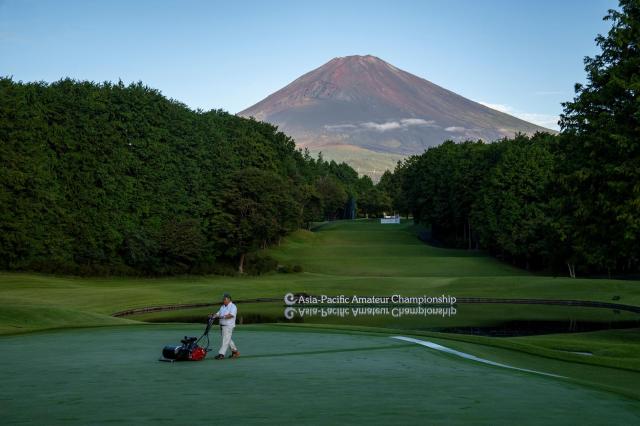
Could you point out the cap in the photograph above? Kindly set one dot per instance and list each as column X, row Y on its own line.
column 226, row 296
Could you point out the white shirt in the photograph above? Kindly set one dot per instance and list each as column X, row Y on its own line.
column 228, row 309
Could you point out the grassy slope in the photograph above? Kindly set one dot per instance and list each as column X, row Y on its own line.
column 360, row 257
column 369, row 257
column 357, row 257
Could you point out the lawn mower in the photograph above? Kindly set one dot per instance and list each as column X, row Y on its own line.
column 191, row 349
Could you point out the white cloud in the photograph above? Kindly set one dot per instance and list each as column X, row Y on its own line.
column 404, row 123
column 382, row 127
column 455, row 129
column 545, row 120
column 549, row 121
column 338, row 127
column 418, row 122
column 498, row 107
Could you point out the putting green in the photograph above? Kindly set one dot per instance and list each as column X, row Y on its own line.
column 106, row 375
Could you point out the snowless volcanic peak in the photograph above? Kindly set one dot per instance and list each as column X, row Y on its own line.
column 365, row 111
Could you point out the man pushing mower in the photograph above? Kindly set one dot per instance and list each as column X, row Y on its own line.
column 227, row 316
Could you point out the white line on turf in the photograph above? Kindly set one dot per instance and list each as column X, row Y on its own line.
column 469, row 356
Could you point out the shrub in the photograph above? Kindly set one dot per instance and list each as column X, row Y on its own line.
column 256, row 264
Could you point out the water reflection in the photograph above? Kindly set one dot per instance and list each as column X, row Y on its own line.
column 468, row 318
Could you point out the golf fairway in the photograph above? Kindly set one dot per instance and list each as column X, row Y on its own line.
column 328, row 369
column 285, row 375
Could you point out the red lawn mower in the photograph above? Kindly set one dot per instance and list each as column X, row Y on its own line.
column 191, row 349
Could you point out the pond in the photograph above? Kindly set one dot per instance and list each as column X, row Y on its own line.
column 487, row 319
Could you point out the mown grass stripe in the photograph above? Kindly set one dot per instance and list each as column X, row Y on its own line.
column 464, row 355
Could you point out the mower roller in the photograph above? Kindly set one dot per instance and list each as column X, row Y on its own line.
column 191, row 349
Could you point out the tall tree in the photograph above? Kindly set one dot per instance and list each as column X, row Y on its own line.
column 110, row 178
column 602, row 127
column 511, row 210
column 256, row 207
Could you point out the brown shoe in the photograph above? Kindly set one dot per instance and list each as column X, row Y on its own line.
column 235, row 354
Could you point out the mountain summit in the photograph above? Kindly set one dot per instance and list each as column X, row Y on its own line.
column 365, row 111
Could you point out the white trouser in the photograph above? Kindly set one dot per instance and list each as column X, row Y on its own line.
column 225, row 332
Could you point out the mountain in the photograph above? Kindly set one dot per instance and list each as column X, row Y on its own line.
column 365, row 111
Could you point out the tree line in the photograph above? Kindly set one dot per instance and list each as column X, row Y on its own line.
column 567, row 202
column 117, row 179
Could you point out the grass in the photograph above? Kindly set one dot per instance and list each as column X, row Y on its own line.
column 74, row 369
column 609, row 344
column 286, row 374
column 355, row 257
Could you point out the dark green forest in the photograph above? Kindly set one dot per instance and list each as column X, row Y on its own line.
column 565, row 203
column 117, row 179
column 114, row 179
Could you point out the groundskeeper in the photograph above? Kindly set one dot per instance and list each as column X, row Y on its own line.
column 227, row 315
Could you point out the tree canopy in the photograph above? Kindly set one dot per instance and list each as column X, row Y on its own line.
column 549, row 201
column 108, row 178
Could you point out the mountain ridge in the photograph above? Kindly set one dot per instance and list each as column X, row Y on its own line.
column 365, row 105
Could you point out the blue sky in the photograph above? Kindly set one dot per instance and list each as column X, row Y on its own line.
column 519, row 56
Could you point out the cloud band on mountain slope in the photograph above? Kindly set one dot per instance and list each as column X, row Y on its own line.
column 383, row 127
